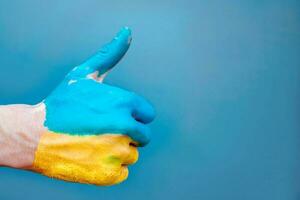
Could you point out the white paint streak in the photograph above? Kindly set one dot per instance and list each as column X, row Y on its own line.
column 71, row 82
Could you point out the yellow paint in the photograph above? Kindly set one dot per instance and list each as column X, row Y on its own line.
column 99, row 160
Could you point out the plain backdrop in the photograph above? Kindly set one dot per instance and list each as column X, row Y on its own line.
column 224, row 77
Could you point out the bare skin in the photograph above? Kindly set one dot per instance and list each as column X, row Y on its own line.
column 21, row 127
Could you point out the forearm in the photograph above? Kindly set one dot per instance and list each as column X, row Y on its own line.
column 20, row 130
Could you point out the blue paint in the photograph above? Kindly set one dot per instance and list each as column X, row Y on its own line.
column 89, row 107
column 106, row 58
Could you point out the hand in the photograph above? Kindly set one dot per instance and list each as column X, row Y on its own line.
column 89, row 130
column 83, row 105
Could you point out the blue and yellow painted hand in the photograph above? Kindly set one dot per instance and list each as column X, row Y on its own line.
column 93, row 129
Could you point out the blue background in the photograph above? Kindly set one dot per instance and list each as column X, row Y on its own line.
column 224, row 77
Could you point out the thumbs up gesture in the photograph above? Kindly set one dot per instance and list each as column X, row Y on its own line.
column 84, row 105
column 86, row 131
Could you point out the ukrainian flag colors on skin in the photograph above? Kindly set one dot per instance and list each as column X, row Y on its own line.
column 93, row 128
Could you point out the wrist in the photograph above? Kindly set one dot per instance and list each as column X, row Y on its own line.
column 20, row 129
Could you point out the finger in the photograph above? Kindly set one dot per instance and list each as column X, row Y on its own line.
column 111, row 53
column 124, row 124
column 106, row 58
column 139, row 132
column 142, row 111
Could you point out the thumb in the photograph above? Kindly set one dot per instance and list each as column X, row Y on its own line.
column 105, row 59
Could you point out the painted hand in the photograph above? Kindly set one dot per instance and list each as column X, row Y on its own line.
column 97, row 126
column 83, row 105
